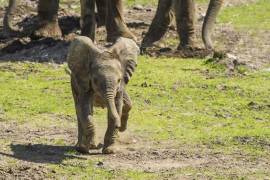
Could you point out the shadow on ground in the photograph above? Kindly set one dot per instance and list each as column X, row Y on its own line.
column 40, row 153
column 27, row 47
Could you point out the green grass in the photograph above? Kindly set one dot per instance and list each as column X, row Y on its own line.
column 151, row 2
column 184, row 101
column 248, row 16
column 187, row 100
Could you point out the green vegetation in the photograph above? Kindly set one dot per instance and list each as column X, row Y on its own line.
column 191, row 103
column 141, row 2
column 248, row 16
column 184, row 101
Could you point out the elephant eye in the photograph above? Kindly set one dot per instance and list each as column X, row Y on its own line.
column 119, row 80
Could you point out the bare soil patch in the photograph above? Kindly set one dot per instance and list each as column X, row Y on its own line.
column 34, row 148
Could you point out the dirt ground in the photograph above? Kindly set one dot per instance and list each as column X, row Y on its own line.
column 138, row 153
column 135, row 153
column 250, row 50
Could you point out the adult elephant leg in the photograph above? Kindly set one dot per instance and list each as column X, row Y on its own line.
column 115, row 24
column 102, row 12
column 84, row 110
column 88, row 19
column 47, row 13
column 127, row 104
column 8, row 28
column 185, row 22
column 160, row 23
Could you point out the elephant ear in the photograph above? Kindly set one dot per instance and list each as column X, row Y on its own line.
column 81, row 54
column 126, row 51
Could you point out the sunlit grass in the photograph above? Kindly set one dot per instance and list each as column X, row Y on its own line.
column 251, row 16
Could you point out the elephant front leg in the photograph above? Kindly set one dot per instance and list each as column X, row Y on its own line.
column 125, row 111
column 48, row 20
column 160, row 24
column 110, row 138
column 84, row 111
column 88, row 18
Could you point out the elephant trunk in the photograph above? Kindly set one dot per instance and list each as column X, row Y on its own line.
column 7, row 22
column 112, row 112
column 208, row 24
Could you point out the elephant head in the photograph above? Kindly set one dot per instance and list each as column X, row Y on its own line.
column 105, row 73
column 208, row 24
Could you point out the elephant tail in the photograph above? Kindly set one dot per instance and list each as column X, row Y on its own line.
column 208, row 24
column 9, row 29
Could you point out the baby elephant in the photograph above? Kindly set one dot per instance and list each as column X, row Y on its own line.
column 98, row 78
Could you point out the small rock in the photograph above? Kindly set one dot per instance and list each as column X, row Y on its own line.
column 201, row 16
column 231, row 56
column 166, row 49
column 155, row 153
column 221, row 87
column 138, row 7
column 100, row 164
column 144, row 84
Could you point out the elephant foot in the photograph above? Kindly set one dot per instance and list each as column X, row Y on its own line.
column 123, row 126
column 126, row 33
column 85, row 149
column 82, row 149
column 192, row 52
column 110, row 149
column 49, row 29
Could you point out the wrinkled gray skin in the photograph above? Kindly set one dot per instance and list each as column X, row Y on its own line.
column 109, row 13
column 184, row 11
column 98, row 78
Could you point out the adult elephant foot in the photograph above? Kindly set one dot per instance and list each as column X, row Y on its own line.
column 47, row 13
column 122, row 32
column 192, row 51
column 49, row 29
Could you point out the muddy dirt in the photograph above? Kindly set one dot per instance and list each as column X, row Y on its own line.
column 251, row 50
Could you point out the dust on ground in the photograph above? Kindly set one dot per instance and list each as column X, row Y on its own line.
column 23, row 143
column 249, row 49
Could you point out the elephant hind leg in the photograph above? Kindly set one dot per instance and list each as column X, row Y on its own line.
column 160, row 23
column 115, row 24
column 125, row 112
column 101, row 12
